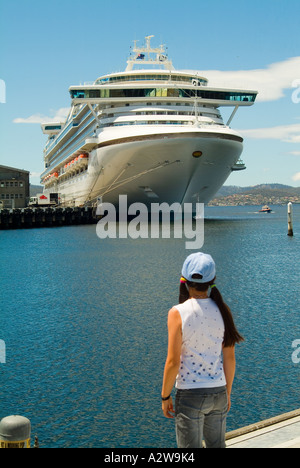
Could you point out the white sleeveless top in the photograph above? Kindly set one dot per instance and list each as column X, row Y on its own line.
column 201, row 363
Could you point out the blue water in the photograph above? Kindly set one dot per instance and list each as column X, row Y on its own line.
column 84, row 323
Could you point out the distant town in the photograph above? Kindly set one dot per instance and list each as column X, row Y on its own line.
column 230, row 195
column 266, row 194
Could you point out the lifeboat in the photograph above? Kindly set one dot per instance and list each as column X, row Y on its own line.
column 78, row 161
column 83, row 160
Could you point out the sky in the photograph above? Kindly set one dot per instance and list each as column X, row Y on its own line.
column 47, row 46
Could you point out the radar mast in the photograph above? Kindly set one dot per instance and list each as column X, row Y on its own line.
column 149, row 56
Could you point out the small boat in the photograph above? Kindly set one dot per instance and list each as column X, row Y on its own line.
column 265, row 209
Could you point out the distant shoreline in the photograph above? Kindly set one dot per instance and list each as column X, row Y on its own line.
column 230, row 195
column 267, row 194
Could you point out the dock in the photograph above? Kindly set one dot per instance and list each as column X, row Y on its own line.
column 27, row 218
column 279, row 432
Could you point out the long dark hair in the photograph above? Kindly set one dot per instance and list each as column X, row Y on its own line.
column 231, row 336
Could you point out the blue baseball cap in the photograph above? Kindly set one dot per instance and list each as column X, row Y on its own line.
column 199, row 264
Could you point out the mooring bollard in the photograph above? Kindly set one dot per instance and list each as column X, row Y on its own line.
column 290, row 219
column 15, row 432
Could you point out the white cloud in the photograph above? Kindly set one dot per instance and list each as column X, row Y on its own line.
column 59, row 116
column 296, row 177
column 287, row 133
column 270, row 82
column 295, row 153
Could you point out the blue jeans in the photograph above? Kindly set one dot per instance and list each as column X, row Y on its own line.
column 201, row 414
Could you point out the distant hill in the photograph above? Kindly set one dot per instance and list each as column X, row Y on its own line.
column 276, row 194
column 278, row 188
column 34, row 189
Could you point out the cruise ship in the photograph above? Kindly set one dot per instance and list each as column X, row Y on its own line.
column 152, row 133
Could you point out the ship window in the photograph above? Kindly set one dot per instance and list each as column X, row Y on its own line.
column 173, row 92
column 104, row 93
column 53, row 127
column 77, row 94
column 94, row 93
column 226, row 96
column 163, row 92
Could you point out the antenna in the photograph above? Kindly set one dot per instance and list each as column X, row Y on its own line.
column 142, row 56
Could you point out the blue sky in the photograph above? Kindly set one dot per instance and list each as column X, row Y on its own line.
column 46, row 46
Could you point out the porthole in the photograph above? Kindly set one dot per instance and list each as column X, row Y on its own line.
column 197, row 154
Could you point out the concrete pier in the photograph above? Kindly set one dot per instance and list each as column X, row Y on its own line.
column 280, row 432
column 46, row 217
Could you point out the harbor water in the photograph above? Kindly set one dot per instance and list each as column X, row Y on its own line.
column 84, row 322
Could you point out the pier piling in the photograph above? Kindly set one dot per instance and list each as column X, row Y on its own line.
column 290, row 219
column 46, row 217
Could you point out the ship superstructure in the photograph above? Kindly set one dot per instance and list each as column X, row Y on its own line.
column 154, row 134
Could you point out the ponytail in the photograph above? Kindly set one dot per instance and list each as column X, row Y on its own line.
column 231, row 336
column 183, row 293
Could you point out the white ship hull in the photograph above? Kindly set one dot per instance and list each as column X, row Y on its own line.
column 156, row 167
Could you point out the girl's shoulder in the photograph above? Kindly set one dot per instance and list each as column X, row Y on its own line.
column 185, row 307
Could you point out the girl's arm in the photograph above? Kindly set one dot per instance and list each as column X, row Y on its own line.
column 229, row 369
column 172, row 361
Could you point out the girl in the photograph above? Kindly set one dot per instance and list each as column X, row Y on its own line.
column 201, row 357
